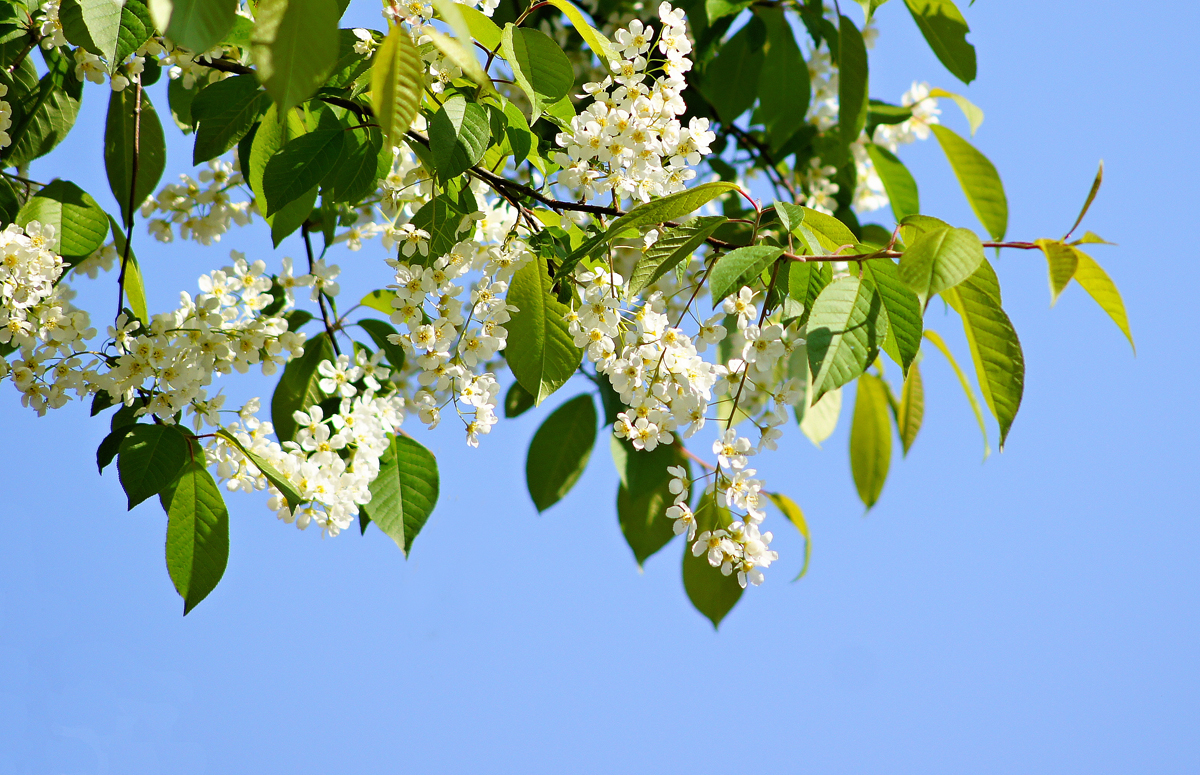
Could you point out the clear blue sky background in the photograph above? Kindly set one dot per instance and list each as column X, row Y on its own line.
column 1034, row 614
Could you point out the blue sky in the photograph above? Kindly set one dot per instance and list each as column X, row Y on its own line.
column 1036, row 613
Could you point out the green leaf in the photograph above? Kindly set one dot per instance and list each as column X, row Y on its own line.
column 268, row 139
column 458, row 136
column 1087, row 204
column 740, row 267
column 517, row 401
column 824, row 230
column 179, row 100
column 379, row 332
column 845, row 330
column 225, row 111
column 539, row 66
column 673, row 246
column 938, row 342
column 717, row 9
column 292, row 216
column 903, row 311
column 730, row 79
column 899, row 184
column 197, row 532
column 560, row 450
column 461, row 53
column 796, row 517
column 110, row 446
column 405, row 492
column 380, row 301
column 397, row 82
column 970, row 110
column 113, row 29
column 1061, row 260
column 995, row 349
column 852, row 81
column 356, row 173
column 118, row 149
column 541, row 352
column 869, row 7
column 10, row 205
column 197, row 25
column 442, row 217
column 151, row 457
column 979, row 181
column 298, row 389
column 713, row 594
column 939, row 259
column 295, row 46
column 273, row 475
column 135, row 286
column 870, row 439
column 481, row 27
column 911, row 410
column 784, row 89
column 80, row 226
column 1104, row 291
column 299, row 166
column 945, row 31
column 643, row 516
column 806, row 280
column 599, row 44
column 42, row 119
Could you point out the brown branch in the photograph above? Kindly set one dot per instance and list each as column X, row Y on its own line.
column 34, row 39
column 320, row 293
column 224, row 65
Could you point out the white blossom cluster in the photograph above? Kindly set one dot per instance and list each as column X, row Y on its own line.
column 925, row 113
column 200, row 210
column 629, row 141
column 5, row 118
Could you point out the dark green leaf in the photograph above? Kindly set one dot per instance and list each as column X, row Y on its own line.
column 899, row 184
column 852, row 81
column 110, row 446
column 42, row 118
column 151, row 456
column 277, row 479
column 539, row 66
column 180, row 101
column 295, row 46
column 517, row 401
column 846, row 328
column 355, row 175
column 118, row 149
column 197, row 532
column 405, row 492
column 730, row 79
column 225, row 111
column 541, row 352
column 458, row 136
column 712, row 593
column 946, row 31
column 10, row 204
column 80, row 226
column 783, row 86
column 643, row 517
column 870, row 439
column 298, row 389
column 299, row 167
column 379, row 332
column 560, row 450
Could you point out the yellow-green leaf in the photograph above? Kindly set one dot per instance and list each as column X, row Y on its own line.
column 911, row 409
column 295, row 46
column 979, row 181
column 969, row 109
column 397, row 82
column 796, row 517
column 1062, row 261
column 870, row 439
column 939, row 343
column 1104, row 291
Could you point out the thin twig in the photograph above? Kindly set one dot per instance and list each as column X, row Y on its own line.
column 320, row 293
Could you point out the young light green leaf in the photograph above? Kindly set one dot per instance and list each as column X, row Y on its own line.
column 1088, row 203
column 197, row 532
column 673, row 246
column 295, row 46
column 1103, row 290
column 539, row 66
column 945, row 30
column 730, row 79
column 80, row 226
column 869, row 7
column 225, row 110
column 852, row 81
column 847, row 326
column 939, row 343
column 740, row 267
column 299, row 166
column 796, row 517
column 397, row 82
column 898, row 182
column 541, row 351
column 783, row 85
column 599, row 44
column 712, row 593
column 979, row 181
column 298, row 387
column 380, row 301
column 197, row 25
column 870, row 439
column 819, row 420
column 995, row 349
column 135, row 286
column 825, row 230
column 118, row 148
column 151, row 457
column 903, row 311
column 939, row 259
column 1061, row 260
column 462, row 54
column 405, row 492
column 911, row 410
column 273, row 475
column 970, row 110
column 480, row 27
column 559, row 451
column 806, row 280
column 458, row 136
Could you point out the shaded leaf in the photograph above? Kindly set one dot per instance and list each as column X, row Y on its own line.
column 852, row 81
column 784, row 89
column 295, row 46
column 224, row 111
column 379, row 332
column 299, row 167
column 150, row 458
column 197, row 25
column 197, row 532
column 118, row 148
column 713, row 594
column 517, row 401
column 559, row 451
column 298, row 389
